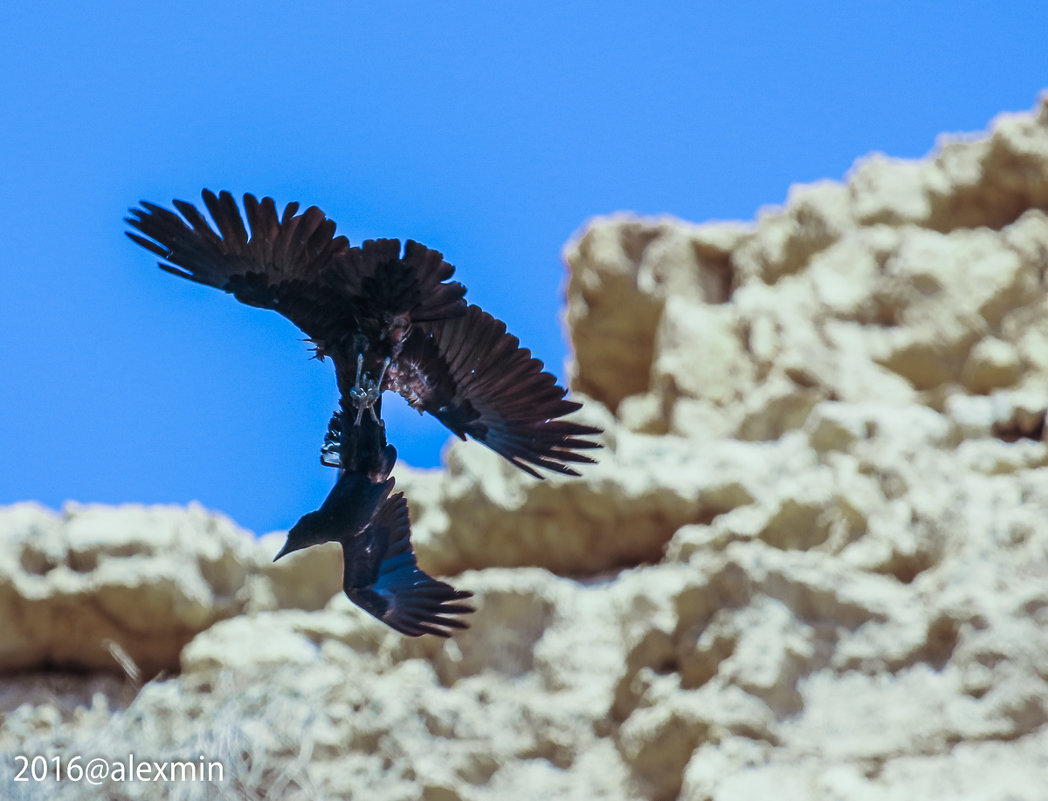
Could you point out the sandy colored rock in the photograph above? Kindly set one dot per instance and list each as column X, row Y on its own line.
column 811, row 562
column 915, row 281
column 78, row 584
column 485, row 513
column 636, row 264
column 146, row 579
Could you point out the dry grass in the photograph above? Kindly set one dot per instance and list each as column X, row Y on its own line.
column 241, row 725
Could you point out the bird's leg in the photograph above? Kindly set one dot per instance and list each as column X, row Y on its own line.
column 378, row 389
column 366, row 393
column 382, row 373
column 358, row 393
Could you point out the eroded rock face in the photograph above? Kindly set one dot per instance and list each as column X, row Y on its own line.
column 81, row 587
column 913, row 282
column 146, row 580
column 812, row 562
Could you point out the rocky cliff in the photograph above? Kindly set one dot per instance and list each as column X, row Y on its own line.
column 812, row 562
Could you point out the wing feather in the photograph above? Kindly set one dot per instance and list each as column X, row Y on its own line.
column 475, row 378
column 273, row 261
column 382, row 577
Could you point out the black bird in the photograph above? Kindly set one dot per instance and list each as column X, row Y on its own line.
column 362, row 488
column 380, row 573
column 389, row 318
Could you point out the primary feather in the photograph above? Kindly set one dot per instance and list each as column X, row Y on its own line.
column 382, row 577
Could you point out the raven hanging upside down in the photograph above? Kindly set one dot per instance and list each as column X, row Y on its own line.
column 389, row 319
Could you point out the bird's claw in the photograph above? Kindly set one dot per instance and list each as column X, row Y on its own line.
column 365, row 394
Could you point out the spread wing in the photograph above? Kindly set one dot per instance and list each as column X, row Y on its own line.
column 277, row 261
column 475, row 378
column 382, row 577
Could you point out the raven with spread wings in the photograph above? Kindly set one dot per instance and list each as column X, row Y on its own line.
column 389, row 318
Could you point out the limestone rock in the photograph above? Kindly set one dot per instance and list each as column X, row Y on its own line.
column 144, row 579
column 917, row 281
column 484, row 512
column 635, row 265
column 81, row 587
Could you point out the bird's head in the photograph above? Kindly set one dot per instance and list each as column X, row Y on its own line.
column 304, row 533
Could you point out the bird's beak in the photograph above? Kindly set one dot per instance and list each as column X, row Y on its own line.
column 283, row 551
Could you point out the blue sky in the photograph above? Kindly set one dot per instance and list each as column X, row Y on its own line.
column 488, row 131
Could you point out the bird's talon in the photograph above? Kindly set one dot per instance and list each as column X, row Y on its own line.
column 365, row 393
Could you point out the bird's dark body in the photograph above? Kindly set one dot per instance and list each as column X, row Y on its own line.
column 389, row 318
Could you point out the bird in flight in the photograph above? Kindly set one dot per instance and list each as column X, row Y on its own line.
column 389, row 318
